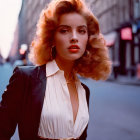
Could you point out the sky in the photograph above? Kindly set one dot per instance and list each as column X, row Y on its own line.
column 9, row 10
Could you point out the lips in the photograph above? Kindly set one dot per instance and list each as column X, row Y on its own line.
column 74, row 48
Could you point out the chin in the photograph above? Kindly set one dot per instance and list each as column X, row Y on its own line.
column 73, row 58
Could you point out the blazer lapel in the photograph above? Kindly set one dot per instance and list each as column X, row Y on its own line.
column 38, row 93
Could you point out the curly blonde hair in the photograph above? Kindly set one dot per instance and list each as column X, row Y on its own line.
column 95, row 62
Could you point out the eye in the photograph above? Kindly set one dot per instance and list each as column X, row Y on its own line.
column 82, row 31
column 63, row 31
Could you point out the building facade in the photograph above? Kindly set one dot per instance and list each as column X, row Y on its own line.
column 28, row 18
column 14, row 52
column 120, row 23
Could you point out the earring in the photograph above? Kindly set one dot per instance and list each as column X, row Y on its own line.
column 86, row 53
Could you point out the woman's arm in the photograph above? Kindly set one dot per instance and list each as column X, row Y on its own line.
column 10, row 105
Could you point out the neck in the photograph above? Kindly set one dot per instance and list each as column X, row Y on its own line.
column 66, row 66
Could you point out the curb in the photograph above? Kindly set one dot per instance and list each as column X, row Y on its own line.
column 134, row 83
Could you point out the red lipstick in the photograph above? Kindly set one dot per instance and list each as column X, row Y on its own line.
column 74, row 48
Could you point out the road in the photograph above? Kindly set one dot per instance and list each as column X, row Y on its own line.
column 114, row 109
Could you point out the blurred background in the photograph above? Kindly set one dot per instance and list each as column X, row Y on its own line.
column 114, row 104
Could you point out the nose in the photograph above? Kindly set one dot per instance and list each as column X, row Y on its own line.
column 74, row 38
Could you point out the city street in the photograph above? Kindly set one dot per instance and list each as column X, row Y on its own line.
column 114, row 111
column 114, row 108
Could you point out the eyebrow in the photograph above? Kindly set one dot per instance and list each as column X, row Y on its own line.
column 67, row 26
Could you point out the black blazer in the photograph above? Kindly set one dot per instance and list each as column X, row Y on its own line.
column 22, row 103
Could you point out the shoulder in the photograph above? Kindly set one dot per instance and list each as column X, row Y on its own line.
column 29, row 70
column 87, row 92
column 86, row 88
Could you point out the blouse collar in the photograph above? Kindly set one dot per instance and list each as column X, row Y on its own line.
column 51, row 68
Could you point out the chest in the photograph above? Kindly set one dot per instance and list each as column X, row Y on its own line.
column 74, row 99
column 64, row 110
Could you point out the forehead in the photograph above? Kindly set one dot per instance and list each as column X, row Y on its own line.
column 72, row 19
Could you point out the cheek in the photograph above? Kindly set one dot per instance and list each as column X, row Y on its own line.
column 60, row 45
column 84, row 41
column 60, row 41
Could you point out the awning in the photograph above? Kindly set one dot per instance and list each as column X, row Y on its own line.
column 110, row 38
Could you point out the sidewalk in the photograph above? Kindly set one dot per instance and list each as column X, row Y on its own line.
column 126, row 80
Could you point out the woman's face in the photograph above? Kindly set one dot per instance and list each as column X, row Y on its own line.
column 71, row 37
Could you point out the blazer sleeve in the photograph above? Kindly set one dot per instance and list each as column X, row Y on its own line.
column 84, row 135
column 10, row 105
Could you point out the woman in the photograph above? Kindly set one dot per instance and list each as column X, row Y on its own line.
column 48, row 101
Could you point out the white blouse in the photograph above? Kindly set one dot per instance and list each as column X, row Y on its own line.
column 56, row 120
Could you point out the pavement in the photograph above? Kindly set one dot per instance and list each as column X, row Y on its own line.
column 125, row 80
